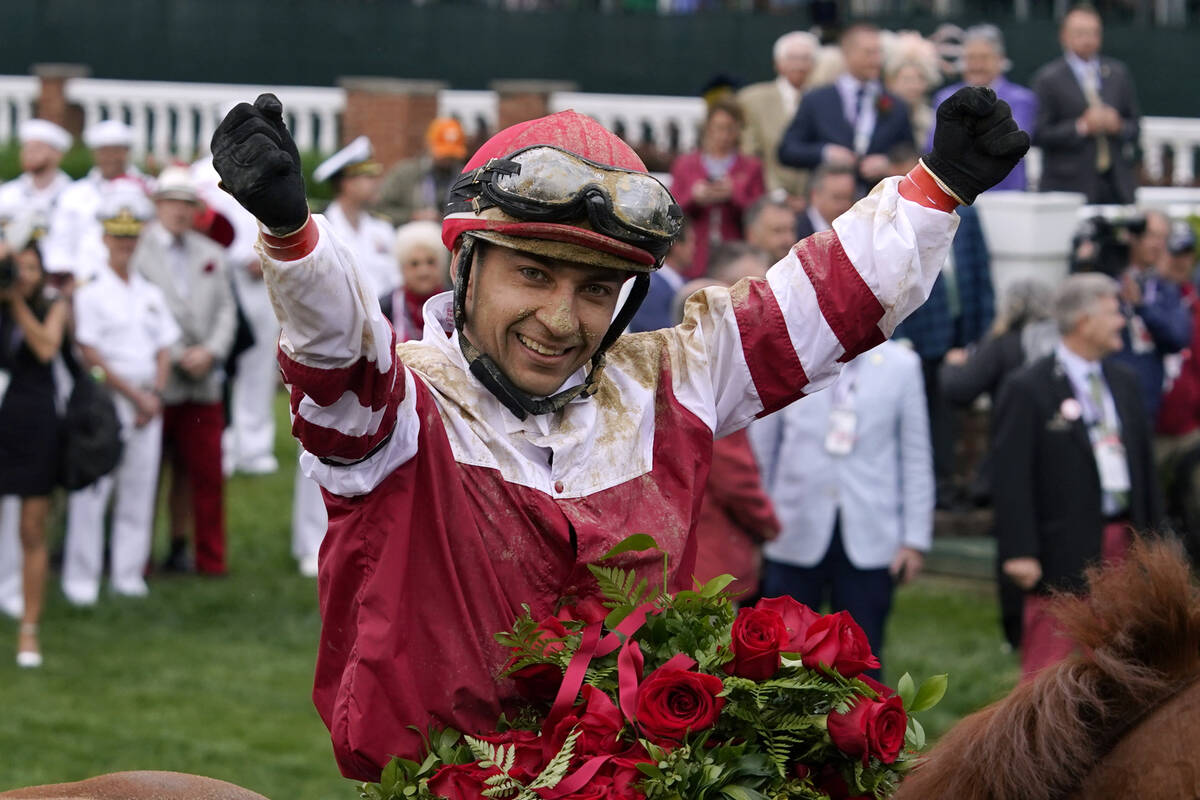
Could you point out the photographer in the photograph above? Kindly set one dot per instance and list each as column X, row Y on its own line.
column 32, row 321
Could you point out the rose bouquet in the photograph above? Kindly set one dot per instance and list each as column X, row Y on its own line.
column 680, row 697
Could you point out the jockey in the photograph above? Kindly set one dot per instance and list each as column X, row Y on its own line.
column 486, row 465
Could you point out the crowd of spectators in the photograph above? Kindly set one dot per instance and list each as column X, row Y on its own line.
column 151, row 287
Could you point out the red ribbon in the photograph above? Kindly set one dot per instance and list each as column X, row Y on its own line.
column 629, row 674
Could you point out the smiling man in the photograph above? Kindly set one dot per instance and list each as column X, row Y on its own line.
column 488, row 464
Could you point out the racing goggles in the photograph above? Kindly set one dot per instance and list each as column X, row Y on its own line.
column 542, row 183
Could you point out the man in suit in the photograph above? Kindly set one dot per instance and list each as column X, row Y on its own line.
column 1087, row 120
column 770, row 226
column 984, row 64
column 850, row 473
column 830, row 194
column 1073, row 469
column 854, row 122
column 655, row 312
column 769, row 107
column 190, row 270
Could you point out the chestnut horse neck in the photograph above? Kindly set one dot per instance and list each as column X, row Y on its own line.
column 1139, row 626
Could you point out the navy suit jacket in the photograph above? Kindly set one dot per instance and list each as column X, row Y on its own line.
column 821, row 120
column 655, row 312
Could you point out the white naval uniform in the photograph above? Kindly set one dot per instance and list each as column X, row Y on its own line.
column 249, row 442
column 127, row 322
column 373, row 244
column 74, row 241
column 20, row 197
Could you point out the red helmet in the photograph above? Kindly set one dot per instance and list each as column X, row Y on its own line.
column 573, row 154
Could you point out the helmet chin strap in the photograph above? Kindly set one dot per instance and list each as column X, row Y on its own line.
column 519, row 402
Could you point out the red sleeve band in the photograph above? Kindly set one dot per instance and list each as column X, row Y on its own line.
column 922, row 188
column 295, row 245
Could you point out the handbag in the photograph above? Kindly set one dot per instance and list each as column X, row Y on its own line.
column 91, row 433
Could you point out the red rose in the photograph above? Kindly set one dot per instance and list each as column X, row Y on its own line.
column 796, row 616
column 586, row 609
column 758, row 636
column 881, row 689
column 872, row 727
column 831, row 782
column 600, row 723
column 670, row 703
column 528, row 747
column 461, row 781
column 837, row 642
column 626, row 776
column 541, row 681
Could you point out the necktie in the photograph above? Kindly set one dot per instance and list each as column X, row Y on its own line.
column 1091, row 92
column 858, row 101
column 1107, row 427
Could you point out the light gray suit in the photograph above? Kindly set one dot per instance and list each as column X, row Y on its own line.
column 884, row 487
column 766, row 120
column 200, row 298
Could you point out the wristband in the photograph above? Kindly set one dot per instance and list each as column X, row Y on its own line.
column 292, row 246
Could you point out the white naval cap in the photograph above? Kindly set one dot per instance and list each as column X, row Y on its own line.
column 124, row 208
column 175, row 183
column 43, row 130
column 355, row 158
column 109, row 133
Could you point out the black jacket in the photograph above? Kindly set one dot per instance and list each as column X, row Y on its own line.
column 1045, row 483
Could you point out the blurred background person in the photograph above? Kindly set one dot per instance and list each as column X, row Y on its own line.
column 124, row 330
column 850, row 472
column 1023, row 332
column 717, row 183
column 910, row 71
column 736, row 515
column 417, row 188
column 1158, row 322
column 355, row 176
column 831, row 192
column 74, row 241
column 770, row 106
column 1073, row 471
column 853, row 122
column 189, row 269
column 1087, row 116
column 248, row 443
column 36, row 190
column 33, row 319
column 666, row 282
column 984, row 63
column 424, row 269
column 770, row 225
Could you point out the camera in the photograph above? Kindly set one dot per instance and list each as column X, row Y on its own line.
column 8, row 272
column 1102, row 245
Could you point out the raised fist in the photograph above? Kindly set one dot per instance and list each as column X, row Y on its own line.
column 976, row 142
column 259, row 165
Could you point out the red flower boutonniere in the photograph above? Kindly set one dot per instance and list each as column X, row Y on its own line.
column 210, row 267
column 884, row 104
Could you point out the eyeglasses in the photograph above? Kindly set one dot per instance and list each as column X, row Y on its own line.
column 545, row 184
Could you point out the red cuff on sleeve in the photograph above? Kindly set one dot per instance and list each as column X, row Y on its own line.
column 295, row 245
column 922, row 188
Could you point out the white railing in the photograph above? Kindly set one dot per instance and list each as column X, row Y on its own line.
column 177, row 120
column 1181, row 135
column 17, row 95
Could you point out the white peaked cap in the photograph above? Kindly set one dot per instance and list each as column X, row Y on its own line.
column 357, row 152
column 124, row 196
column 175, row 183
column 43, row 130
column 109, row 133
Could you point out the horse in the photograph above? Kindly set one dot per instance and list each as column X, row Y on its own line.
column 137, row 786
column 1115, row 719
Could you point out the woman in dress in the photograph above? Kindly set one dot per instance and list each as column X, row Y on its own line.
column 32, row 321
column 717, row 183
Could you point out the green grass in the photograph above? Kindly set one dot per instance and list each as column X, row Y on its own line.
column 213, row 676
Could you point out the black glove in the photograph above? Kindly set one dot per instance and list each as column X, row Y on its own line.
column 259, row 165
column 976, row 142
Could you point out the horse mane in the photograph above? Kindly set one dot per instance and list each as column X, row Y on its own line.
column 1139, row 627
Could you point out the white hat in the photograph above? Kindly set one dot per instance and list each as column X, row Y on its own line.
column 123, row 208
column 355, row 159
column 109, row 133
column 175, row 183
column 43, row 130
